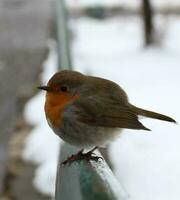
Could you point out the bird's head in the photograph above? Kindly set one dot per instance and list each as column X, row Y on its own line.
column 63, row 85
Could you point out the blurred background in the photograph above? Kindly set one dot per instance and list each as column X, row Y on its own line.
column 135, row 43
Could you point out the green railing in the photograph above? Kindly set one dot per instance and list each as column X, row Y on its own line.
column 62, row 34
column 86, row 180
column 81, row 180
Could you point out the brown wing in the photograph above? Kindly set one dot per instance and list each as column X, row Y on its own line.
column 106, row 112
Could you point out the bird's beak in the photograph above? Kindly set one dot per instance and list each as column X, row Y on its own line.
column 46, row 88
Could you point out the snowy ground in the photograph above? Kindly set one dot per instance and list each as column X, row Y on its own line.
column 146, row 163
column 124, row 3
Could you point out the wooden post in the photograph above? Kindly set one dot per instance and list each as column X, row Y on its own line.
column 147, row 14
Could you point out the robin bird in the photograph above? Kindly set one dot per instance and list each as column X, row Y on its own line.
column 88, row 111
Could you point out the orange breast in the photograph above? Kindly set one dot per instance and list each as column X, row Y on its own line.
column 54, row 107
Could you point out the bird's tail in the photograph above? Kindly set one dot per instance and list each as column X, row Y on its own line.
column 150, row 114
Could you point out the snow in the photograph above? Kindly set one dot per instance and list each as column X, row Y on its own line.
column 124, row 3
column 146, row 163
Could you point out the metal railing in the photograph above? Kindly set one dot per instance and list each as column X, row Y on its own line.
column 81, row 180
column 86, row 180
column 62, row 34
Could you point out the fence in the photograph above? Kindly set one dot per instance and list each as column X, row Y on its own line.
column 81, row 180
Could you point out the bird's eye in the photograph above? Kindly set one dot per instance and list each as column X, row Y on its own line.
column 64, row 88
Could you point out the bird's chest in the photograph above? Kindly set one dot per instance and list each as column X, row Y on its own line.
column 54, row 109
column 54, row 115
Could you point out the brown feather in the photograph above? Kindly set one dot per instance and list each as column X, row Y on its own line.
column 99, row 112
column 150, row 114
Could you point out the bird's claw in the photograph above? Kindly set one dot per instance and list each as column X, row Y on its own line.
column 82, row 156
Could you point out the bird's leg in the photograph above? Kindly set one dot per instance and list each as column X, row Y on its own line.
column 82, row 156
column 90, row 155
column 73, row 157
column 91, row 152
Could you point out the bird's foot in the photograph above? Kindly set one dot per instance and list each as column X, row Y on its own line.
column 90, row 155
